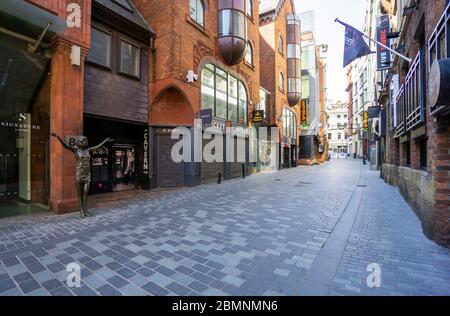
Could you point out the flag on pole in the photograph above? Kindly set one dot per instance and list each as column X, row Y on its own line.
column 355, row 46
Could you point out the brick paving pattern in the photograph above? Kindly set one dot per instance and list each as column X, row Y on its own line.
column 254, row 236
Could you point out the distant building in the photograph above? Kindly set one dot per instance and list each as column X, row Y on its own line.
column 337, row 127
column 313, row 145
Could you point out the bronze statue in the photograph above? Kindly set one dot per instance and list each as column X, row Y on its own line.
column 83, row 168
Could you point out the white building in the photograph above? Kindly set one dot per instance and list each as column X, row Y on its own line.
column 364, row 78
column 337, row 114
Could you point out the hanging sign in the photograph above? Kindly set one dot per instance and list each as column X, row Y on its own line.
column 303, row 113
column 258, row 116
column 383, row 55
column 366, row 120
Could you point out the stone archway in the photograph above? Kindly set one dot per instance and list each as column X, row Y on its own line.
column 171, row 108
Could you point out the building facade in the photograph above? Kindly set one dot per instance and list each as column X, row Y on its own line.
column 313, row 145
column 41, row 92
column 280, row 59
column 337, row 128
column 116, row 93
column 416, row 122
column 200, row 61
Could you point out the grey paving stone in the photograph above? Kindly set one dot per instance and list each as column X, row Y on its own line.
column 6, row 285
column 108, row 290
column 177, row 288
column 52, row 285
column 197, row 286
column 29, row 286
column 117, row 281
column 155, row 289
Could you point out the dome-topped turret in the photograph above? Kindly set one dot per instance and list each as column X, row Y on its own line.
column 294, row 62
column 232, row 30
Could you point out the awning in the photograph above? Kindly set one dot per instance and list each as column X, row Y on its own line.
column 21, row 17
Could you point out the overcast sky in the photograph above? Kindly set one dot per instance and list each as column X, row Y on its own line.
column 331, row 33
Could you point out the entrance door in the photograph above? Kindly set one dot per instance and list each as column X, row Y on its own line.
column 24, row 128
column 123, row 168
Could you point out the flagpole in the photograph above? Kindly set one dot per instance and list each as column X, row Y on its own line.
column 382, row 45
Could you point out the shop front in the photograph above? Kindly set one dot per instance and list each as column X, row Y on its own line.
column 120, row 165
column 25, row 108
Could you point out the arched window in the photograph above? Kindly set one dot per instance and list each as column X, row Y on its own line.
column 249, row 54
column 281, row 83
column 249, row 8
column 280, row 44
column 224, row 94
column 197, row 11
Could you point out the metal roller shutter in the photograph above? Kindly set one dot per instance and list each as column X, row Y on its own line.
column 170, row 173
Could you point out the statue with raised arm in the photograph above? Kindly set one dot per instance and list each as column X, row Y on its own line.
column 83, row 168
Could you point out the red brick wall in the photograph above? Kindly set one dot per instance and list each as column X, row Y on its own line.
column 437, row 128
column 272, row 62
column 180, row 46
column 66, row 102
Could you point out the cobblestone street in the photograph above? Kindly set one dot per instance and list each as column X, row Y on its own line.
column 303, row 231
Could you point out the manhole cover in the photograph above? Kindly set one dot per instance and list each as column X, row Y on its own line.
column 277, row 180
column 362, row 186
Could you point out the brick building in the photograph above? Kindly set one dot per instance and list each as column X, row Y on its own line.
column 200, row 61
column 35, row 172
column 280, row 58
column 116, row 93
column 417, row 122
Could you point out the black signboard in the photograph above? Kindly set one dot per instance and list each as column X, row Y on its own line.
column 374, row 111
column 383, row 55
column 258, row 116
column 206, row 116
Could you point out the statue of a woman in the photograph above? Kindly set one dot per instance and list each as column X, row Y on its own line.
column 83, row 168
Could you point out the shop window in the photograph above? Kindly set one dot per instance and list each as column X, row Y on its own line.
column 224, row 94
column 232, row 99
column 243, row 101
column 264, row 102
column 129, row 59
column 249, row 54
column 289, row 124
column 197, row 12
column 100, row 50
column 221, row 94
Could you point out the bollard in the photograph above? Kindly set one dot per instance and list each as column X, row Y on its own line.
column 243, row 171
column 219, row 181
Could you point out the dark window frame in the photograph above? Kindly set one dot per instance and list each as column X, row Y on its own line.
column 121, row 40
column 110, row 35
